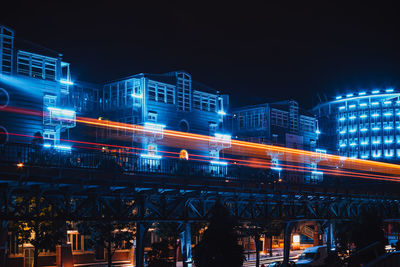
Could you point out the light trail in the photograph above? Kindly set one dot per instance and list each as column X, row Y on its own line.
column 247, row 163
column 243, row 148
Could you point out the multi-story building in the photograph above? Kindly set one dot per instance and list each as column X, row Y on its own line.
column 279, row 123
column 362, row 125
column 32, row 78
column 162, row 101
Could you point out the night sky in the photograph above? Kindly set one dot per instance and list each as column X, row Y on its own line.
column 283, row 49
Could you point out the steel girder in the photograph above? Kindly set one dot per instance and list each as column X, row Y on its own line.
column 155, row 204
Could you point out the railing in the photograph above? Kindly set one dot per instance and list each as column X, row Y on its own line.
column 35, row 155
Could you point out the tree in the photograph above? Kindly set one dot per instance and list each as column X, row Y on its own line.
column 219, row 245
column 109, row 232
column 169, row 232
column 361, row 232
column 36, row 226
column 159, row 254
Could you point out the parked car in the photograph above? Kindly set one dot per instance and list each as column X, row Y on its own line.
column 313, row 256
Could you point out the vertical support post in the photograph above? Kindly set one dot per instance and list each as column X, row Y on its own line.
column 186, row 245
column 3, row 243
column 258, row 248
column 286, row 242
column 139, row 253
column 330, row 239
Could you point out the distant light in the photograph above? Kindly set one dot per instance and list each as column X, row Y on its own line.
column 375, row 92
column 338, row 97
column 150, row 156
column 353, row 144
column 296, row 238
column 136, row 96
column 388, row 141
column 20, row 165
column 226, row 137
column 363, row 116
column 47, row 145
column 375, row 103
column 68, row 82
column 318, row 131
column 389, row 90
column 363, row 105
column 364, row 156
column 388, row 114
column 342, row 145
column 63, row 147
column 362, row 93
column 353, row 130
column 342, row 107
column 387, row 102
column 319, row 150
column 349, row 95
column 388, row 128
column 364, row 143
column 221, row 112
column 342, row 119
column 65, row 112
column 342, row 132
column 376, row 142
column 375, row 115
column 352, row 106
column 375, row 128
column 388, row 155
column 352, row 117
column 376, row 155
column 216, row 162
column 363, row 130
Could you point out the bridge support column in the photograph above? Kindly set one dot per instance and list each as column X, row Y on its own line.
column 286, row 242
column 3, row 242
column 330, row 241
column 186, row 245
column 141, row 230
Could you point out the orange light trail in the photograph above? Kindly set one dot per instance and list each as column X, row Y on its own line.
column 244, row 148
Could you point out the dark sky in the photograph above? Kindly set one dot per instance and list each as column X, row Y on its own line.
column 282, row 49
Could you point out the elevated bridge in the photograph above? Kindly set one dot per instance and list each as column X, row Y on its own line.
column 92, row 185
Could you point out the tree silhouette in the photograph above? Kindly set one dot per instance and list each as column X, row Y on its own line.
column 36, row 225
column 363, row 231
column 109, row 232
column 169, row 233
column 219, row 245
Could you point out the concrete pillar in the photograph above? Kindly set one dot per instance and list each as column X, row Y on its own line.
column 257, row 242
column 330, row 240
column 3, row 243
column 64, row 256
column 287, row 241
column 186, row 246
column 316, row 235
column 139, row 252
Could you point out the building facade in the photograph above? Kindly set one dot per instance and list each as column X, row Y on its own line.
column 363, row 125
column 284, row 124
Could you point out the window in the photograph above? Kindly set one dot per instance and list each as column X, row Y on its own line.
column 37, row 66
column 152, row 116
column 76, row 241
column 204, row 101
column 184, row 87
column 161, row 93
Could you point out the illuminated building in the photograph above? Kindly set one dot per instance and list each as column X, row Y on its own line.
column 33, row 77
column 363, row 125
column 279, row 123
column 170, row 101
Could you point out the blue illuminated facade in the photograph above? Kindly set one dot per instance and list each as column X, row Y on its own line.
column 281, row 123
column 362, row 125
column 33, row 78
